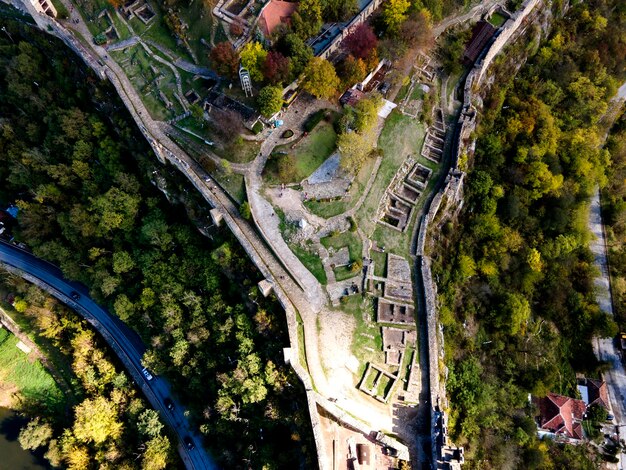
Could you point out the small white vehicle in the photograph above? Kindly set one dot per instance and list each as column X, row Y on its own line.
column 146, row 373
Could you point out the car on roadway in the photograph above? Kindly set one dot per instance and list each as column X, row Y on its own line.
column 189, row 443
column 75, row 295
column 146, row 373
column 169, row 404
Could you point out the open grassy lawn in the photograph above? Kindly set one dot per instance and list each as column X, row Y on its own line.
column 354, row 244
column 311, row 261
column 380, row 263
column 136, row 63
column 29, row 376
column 384, row 384
column 371, row 378
column 367, row 340
column 497, row 20
column 310, row 152
column 349, row 239
column 156, row 30
column 401, row 137
column 329, row 209
column 235, row 151
column 200, row 20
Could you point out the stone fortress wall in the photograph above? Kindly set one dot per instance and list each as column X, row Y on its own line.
column 451, row 198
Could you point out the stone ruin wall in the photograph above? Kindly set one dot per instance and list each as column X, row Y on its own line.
column 453, row 189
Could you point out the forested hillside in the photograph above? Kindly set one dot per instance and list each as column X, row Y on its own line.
column 614, row 213
column 79, row 170
column 97, row 415
column 516, row 279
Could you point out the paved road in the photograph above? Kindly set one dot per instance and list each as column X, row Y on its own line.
column 606, row 348
column 126, row 344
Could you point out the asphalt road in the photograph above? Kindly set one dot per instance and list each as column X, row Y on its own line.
column 126, row 344
column 606, row 348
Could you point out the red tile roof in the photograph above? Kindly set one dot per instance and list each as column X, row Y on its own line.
column 275, row 13
column 561, row 415
column 597, row 391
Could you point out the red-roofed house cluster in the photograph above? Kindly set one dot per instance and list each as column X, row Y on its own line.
column 562, row 416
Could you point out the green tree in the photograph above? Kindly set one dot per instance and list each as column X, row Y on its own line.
column 149, row 424
column 299, row 53
column 253, row 57
column 122, row 262
column 244, row 210
column 307, row 21
column 320, row 78
column 270, row 100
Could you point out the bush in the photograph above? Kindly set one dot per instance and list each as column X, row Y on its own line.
column 313, row 120
column 258, row 127
column 288, row 133
column 352, row 224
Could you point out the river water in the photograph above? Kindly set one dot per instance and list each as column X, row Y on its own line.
column 12, row 456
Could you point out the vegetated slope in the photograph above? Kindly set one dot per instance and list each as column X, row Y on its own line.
column 516, row 282
column 78, row 170
column 101, row 417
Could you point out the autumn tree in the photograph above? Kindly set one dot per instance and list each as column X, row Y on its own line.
column 149, row 423
column 276, row 68
column 157, row 455
column 253, row 57
column 351, row 71
column 236, row 28
column 36, row 434
column 97, row 420
column 417, row 31
column 394, row 14
column 225, row 59
column 361, row 41
column 320, row 78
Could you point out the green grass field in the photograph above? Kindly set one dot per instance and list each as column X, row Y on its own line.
column 329, row 209
column 311, row 261
column 310, row 152
column 401, row 137
column 380, row 263
column 355, row 246
column 497, row 20
column 33, row 381
column 362, row 309
column 136, row 63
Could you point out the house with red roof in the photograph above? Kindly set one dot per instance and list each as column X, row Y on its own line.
column 275, row 13
column 561, row 416
column 594, row 392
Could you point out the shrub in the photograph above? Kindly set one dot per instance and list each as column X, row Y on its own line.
column 288, row 133
column 313, row 120
column 258, row 127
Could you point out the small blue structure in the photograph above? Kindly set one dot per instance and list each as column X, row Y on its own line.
column 12, row 211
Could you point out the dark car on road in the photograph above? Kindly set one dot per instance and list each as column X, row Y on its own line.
column 189, row 443
column 75, row 295
column 169, row 404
